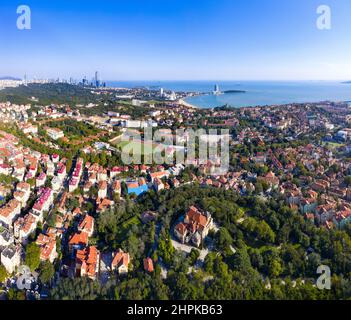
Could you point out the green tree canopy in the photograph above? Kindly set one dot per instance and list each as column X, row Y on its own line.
column 32, row 256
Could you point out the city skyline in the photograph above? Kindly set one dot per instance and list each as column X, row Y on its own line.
column 177, row 40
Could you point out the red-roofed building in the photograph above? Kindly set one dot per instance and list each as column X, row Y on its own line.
column 195, row 226
column 159, row 175
column 23, row 227
column 102, row 191
column 120, row 262
column 87, row 225
column 88, row 262
column 78, row 240
column 47, row 248
column 148, row 265
column 9, row 212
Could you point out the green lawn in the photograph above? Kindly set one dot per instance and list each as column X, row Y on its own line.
column 133, row 145
column 333, row 145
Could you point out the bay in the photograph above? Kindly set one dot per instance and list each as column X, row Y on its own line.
column 257, row 93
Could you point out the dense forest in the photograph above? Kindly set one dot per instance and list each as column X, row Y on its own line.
column 263, row 250
column 57, row 93
column 75, row 96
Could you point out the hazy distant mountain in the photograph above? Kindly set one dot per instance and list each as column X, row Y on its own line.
column 10, row 78
column 347, row 82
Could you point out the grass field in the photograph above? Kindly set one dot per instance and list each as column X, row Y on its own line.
column 133, row 145
column 333, row 145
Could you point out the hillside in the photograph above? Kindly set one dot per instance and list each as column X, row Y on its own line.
column 58, row 93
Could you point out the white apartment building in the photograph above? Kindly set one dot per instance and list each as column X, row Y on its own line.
column 9, row 212
column 11, row 258
column 55, row 133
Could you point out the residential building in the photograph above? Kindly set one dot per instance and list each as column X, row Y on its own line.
column 87, row 225
column 56, row 183
column 40, row 181
column 6, row 238
column 158, row 185
column 148, row 265
column 24, row 227
column 87, row 262
column 9, row 212
column 55, row 133
column 43, row 203
column 78, row 240
column 120, row 262
column 195, row 226
column 102, row 191
column 11, row 258
column 47, row 248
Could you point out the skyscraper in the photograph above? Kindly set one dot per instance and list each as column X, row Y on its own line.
column 216, row 89
column 97, row 81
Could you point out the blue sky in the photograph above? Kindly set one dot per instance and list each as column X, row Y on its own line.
column 177, row 40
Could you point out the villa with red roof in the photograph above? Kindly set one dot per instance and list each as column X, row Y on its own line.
column 120, row 262
column 195, row 226
column 87, row 262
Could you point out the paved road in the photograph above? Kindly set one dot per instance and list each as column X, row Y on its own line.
column 105, row 264
column 187, row 248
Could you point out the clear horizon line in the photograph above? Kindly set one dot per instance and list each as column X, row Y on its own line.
column 224, row 80
column 198, row 80
column 183, row 80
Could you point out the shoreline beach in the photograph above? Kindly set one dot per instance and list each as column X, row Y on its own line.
column 187, row 104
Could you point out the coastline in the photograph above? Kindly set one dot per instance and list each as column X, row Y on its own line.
column 188, row 105
column 257, row 93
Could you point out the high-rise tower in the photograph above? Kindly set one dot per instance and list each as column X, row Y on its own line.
column 97, row 81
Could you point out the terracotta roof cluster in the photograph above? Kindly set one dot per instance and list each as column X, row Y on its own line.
column 25, row 224
column 8, row 209
column 79, row 239
column 47, row 246
column 194, row 220
column 87, row 261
